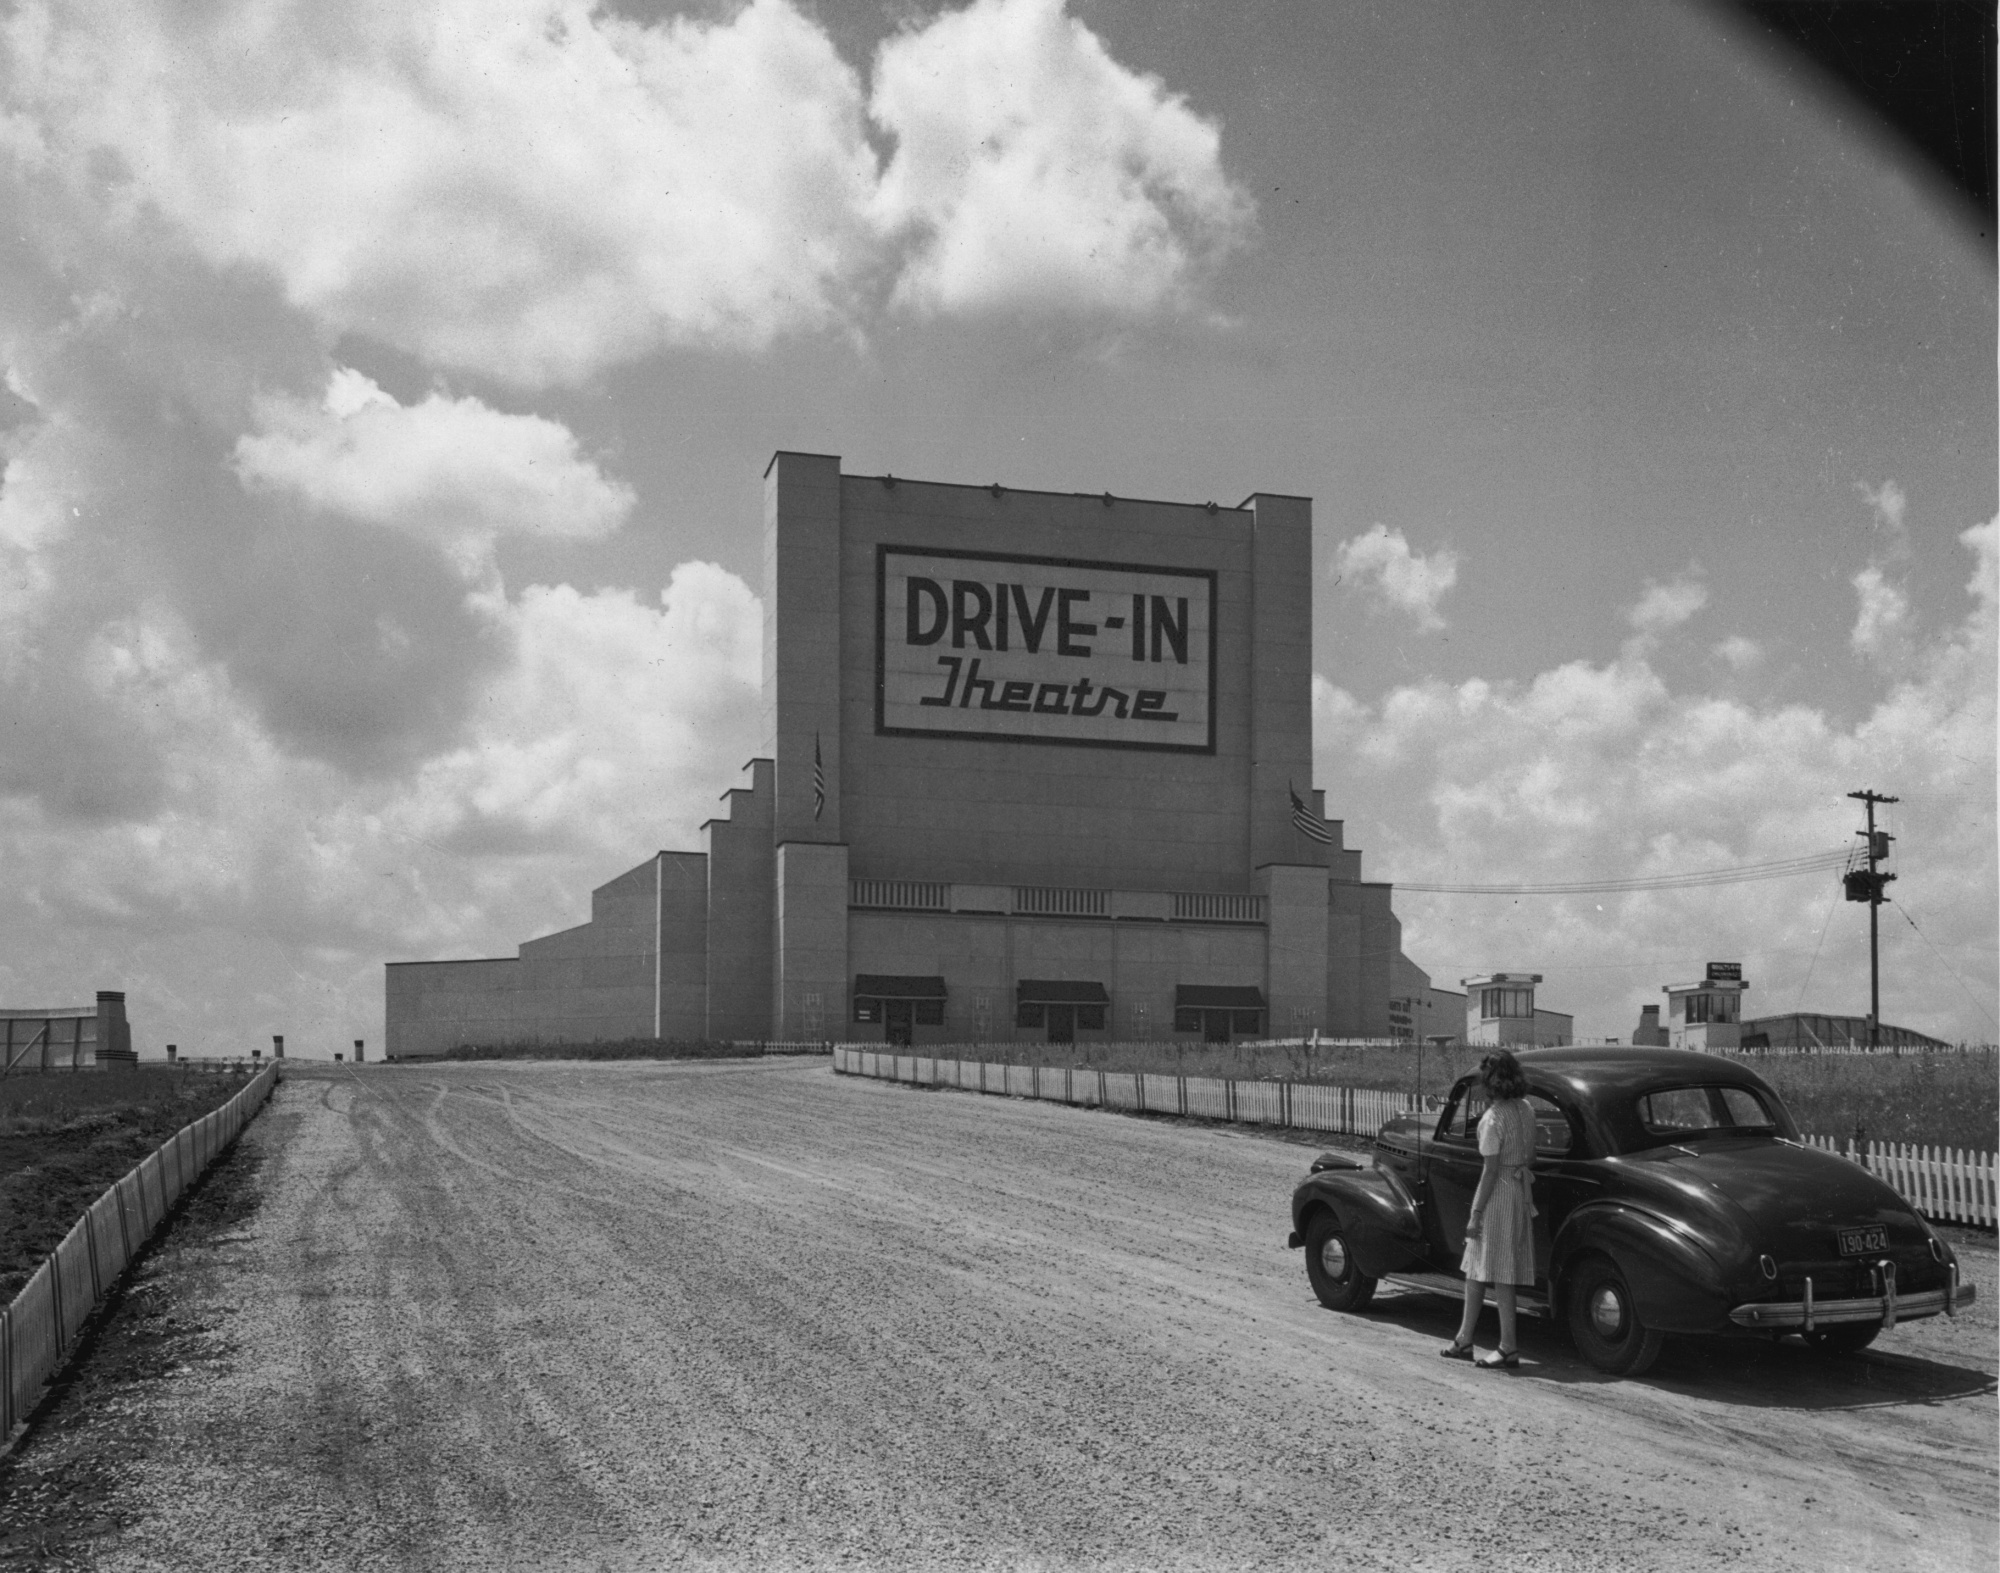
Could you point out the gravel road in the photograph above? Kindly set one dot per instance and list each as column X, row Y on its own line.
column 749, row 1314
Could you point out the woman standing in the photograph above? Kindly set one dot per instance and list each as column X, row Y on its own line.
column 1500, row 1232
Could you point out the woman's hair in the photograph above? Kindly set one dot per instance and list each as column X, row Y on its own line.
column 1501, row 1073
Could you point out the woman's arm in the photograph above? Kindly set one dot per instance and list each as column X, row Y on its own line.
column 1489, row 1177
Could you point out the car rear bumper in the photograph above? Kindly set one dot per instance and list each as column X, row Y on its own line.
column 1888, row 1309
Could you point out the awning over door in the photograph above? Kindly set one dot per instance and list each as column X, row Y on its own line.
column 1044, row 991
column 1217, row 996
column 897, row 986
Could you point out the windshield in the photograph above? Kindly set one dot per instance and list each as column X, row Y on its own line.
column 1680, row 1113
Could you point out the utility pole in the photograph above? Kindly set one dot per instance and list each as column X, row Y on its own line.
column 1868, row 887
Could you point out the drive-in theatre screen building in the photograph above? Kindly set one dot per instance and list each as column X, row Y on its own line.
column 1036, row 765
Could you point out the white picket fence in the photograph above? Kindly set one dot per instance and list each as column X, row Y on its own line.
column 1940, row 1182
column 40, row 1327
column 1311, row 1106
column 1947, row 1185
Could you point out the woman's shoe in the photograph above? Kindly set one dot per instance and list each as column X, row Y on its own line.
column 1457, row 1351
column 1499, row 1360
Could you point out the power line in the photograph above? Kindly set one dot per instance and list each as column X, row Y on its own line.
column 1742, row 874
column 1948, row 967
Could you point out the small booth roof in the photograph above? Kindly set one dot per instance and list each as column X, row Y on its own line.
column 896, row 986
column 1044, row 991
column 1218, row 996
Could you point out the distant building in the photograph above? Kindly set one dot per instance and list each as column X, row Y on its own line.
column 1500, row 1010
column 1649, row 1034
column 1038, row 765
column 1706, row 1016
column 67, row 1037
column 1810, row 1030
column 1421, row 1013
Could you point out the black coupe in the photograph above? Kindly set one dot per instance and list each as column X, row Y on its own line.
column 1674, row 1197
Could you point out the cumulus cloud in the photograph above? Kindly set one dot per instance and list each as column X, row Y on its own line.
column 1667, row 606
column 1606, row 770
column 1740, row 654
column 1881, row 631
column 450, row 470
column 538, row 189
column 1380, row 564
column 1032, row 169
column 1891, row 509
column 1881, row 620
column 528, row 188
column 272, row 712
column 284, row 885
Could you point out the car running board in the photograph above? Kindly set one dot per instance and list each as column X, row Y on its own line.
column 1533, row 1301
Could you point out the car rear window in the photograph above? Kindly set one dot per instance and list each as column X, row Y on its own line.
column 1675, row 1113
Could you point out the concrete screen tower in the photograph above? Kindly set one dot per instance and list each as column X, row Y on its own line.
column 1036, row 765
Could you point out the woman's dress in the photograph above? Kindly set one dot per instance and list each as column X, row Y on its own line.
column 1504, row 1253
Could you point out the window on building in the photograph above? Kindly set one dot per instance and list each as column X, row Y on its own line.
column 1711, row 1007
column 866, row 1010
column 930, row 1013
column 1090, row 1018
column 1029, row 1014
column 1496, row 1003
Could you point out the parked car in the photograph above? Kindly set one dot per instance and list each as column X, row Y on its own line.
column 1674, row 1197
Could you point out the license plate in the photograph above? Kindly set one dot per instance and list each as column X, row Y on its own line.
column 1863, row 1242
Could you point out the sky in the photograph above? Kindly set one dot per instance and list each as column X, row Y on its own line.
column 388, row 389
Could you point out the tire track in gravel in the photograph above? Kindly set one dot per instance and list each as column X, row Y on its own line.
column 749, row 1314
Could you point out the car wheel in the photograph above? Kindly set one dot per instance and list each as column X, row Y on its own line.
column 1604, row 1320
column 1340, row 1285
column 1843, row 1338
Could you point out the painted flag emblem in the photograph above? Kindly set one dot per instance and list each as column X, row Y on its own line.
column 1308, row 823
column 819, row 782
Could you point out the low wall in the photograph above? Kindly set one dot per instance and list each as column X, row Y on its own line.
column 38, row 1331
column 1309, row 1106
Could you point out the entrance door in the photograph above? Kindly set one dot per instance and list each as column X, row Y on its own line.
column 1062, row 1023
column 1215, row 1026
column 897, row 1019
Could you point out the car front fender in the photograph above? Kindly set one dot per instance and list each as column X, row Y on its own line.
column 1378, row 1215
column 1677, row 1284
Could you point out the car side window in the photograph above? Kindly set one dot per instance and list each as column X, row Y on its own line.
column 1678, row 1112
column 1678, row 1109
column 1460, row 1120
column 1553, row 1136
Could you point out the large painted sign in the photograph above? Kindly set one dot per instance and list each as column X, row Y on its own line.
column 1044, row 650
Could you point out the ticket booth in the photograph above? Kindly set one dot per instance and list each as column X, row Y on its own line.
column 1500, row 1009
column 1707, row 1015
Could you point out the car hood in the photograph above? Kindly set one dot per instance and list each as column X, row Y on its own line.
column 1781, row 1198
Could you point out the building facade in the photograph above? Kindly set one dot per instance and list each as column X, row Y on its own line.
column 1037, row 765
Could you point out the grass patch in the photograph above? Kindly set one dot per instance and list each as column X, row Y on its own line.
column 618, row 1049
column 65, row 1138
column 1946, row 1100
